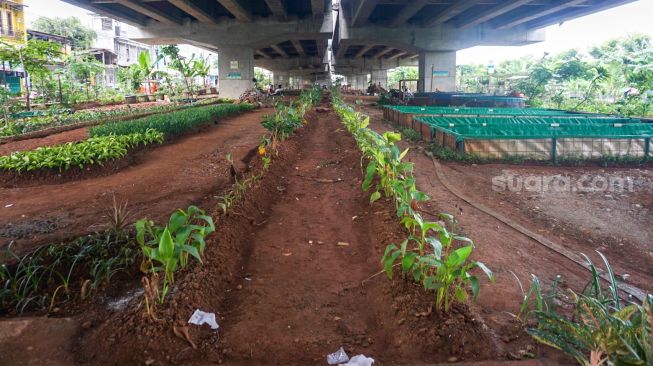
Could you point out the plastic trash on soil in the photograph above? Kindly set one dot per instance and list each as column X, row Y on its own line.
column 337, row 357
column 360, row 360
column 199, row 317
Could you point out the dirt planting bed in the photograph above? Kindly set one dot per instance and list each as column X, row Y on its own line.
column 293, row 298
column 186, row 170
column 292, row 274
column 75, row 135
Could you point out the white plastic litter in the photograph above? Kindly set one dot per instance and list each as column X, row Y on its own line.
column 199, row 317
column 337, row 357
column 360, row 360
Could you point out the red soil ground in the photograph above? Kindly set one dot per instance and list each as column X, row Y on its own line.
column 175, row 175
column 54, row 139
column 290, row 274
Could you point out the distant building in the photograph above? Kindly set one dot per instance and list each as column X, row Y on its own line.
column 12, row 22
column 12, row 31
column 49, row 37
column 114, row 48
column 114, row 36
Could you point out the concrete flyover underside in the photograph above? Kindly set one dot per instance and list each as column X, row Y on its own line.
column 290, row 37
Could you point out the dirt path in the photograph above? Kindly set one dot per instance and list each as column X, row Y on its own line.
column 297, row 304
column 165, row 178
column 300, row 291
column 54, row 139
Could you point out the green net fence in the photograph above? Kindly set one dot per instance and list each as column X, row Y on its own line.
column 486, row 111
column 541, row 131
column 508, row 123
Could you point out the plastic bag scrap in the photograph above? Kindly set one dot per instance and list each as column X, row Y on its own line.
column 337, row 357
column 199, row 317
column 360, row 360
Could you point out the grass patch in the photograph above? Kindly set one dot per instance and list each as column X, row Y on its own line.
column 46, row 276
column 171, row 124
column 409, row 133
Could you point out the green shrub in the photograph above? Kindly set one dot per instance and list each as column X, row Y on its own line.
column 603, row 329
column 95, row 150
column 171, row 124
column 167, row 248
column 436, row 257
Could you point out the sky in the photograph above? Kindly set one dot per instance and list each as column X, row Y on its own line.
column 579, row 33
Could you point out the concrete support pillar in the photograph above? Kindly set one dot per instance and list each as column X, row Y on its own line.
column 361, row 82
column 236, row 67
column 281, row 78
column 380, row 77
column 437, row 71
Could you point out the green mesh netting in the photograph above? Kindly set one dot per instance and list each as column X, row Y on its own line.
column 510, row 121
column 542, row 131
column 485, row 111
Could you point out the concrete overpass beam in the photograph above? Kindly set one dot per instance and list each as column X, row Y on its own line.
column 437, row 71
column 236, row 68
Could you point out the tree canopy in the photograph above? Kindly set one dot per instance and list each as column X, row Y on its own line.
column 613, row 77
column 81, row 37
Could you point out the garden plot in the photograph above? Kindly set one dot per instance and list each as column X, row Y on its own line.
column 194, row 166
column 293, row 270
column 293, row 298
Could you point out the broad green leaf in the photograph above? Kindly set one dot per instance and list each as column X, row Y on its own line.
column 375, row 196
column 166, row 244
column 458, row 256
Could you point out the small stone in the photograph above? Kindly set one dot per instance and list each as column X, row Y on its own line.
column 452, row 359
column 149, row 361
column 87, row 324
column 239, row 287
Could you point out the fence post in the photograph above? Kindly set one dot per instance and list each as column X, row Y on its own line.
column 461, row 145
column 554, row 150
column 647, row 147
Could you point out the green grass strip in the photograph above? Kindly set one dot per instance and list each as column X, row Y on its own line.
column 171, row 124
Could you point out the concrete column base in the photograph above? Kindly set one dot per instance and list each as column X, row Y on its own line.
column 380, row 77
column 281, row 78
column 236, row 67
column 437, row 71
column 361, row 82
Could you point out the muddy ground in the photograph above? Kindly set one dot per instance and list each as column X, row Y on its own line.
column 292, row 274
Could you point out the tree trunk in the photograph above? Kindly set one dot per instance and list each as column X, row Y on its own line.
column 27, row 94
column 60, row 93
column 28, row 106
